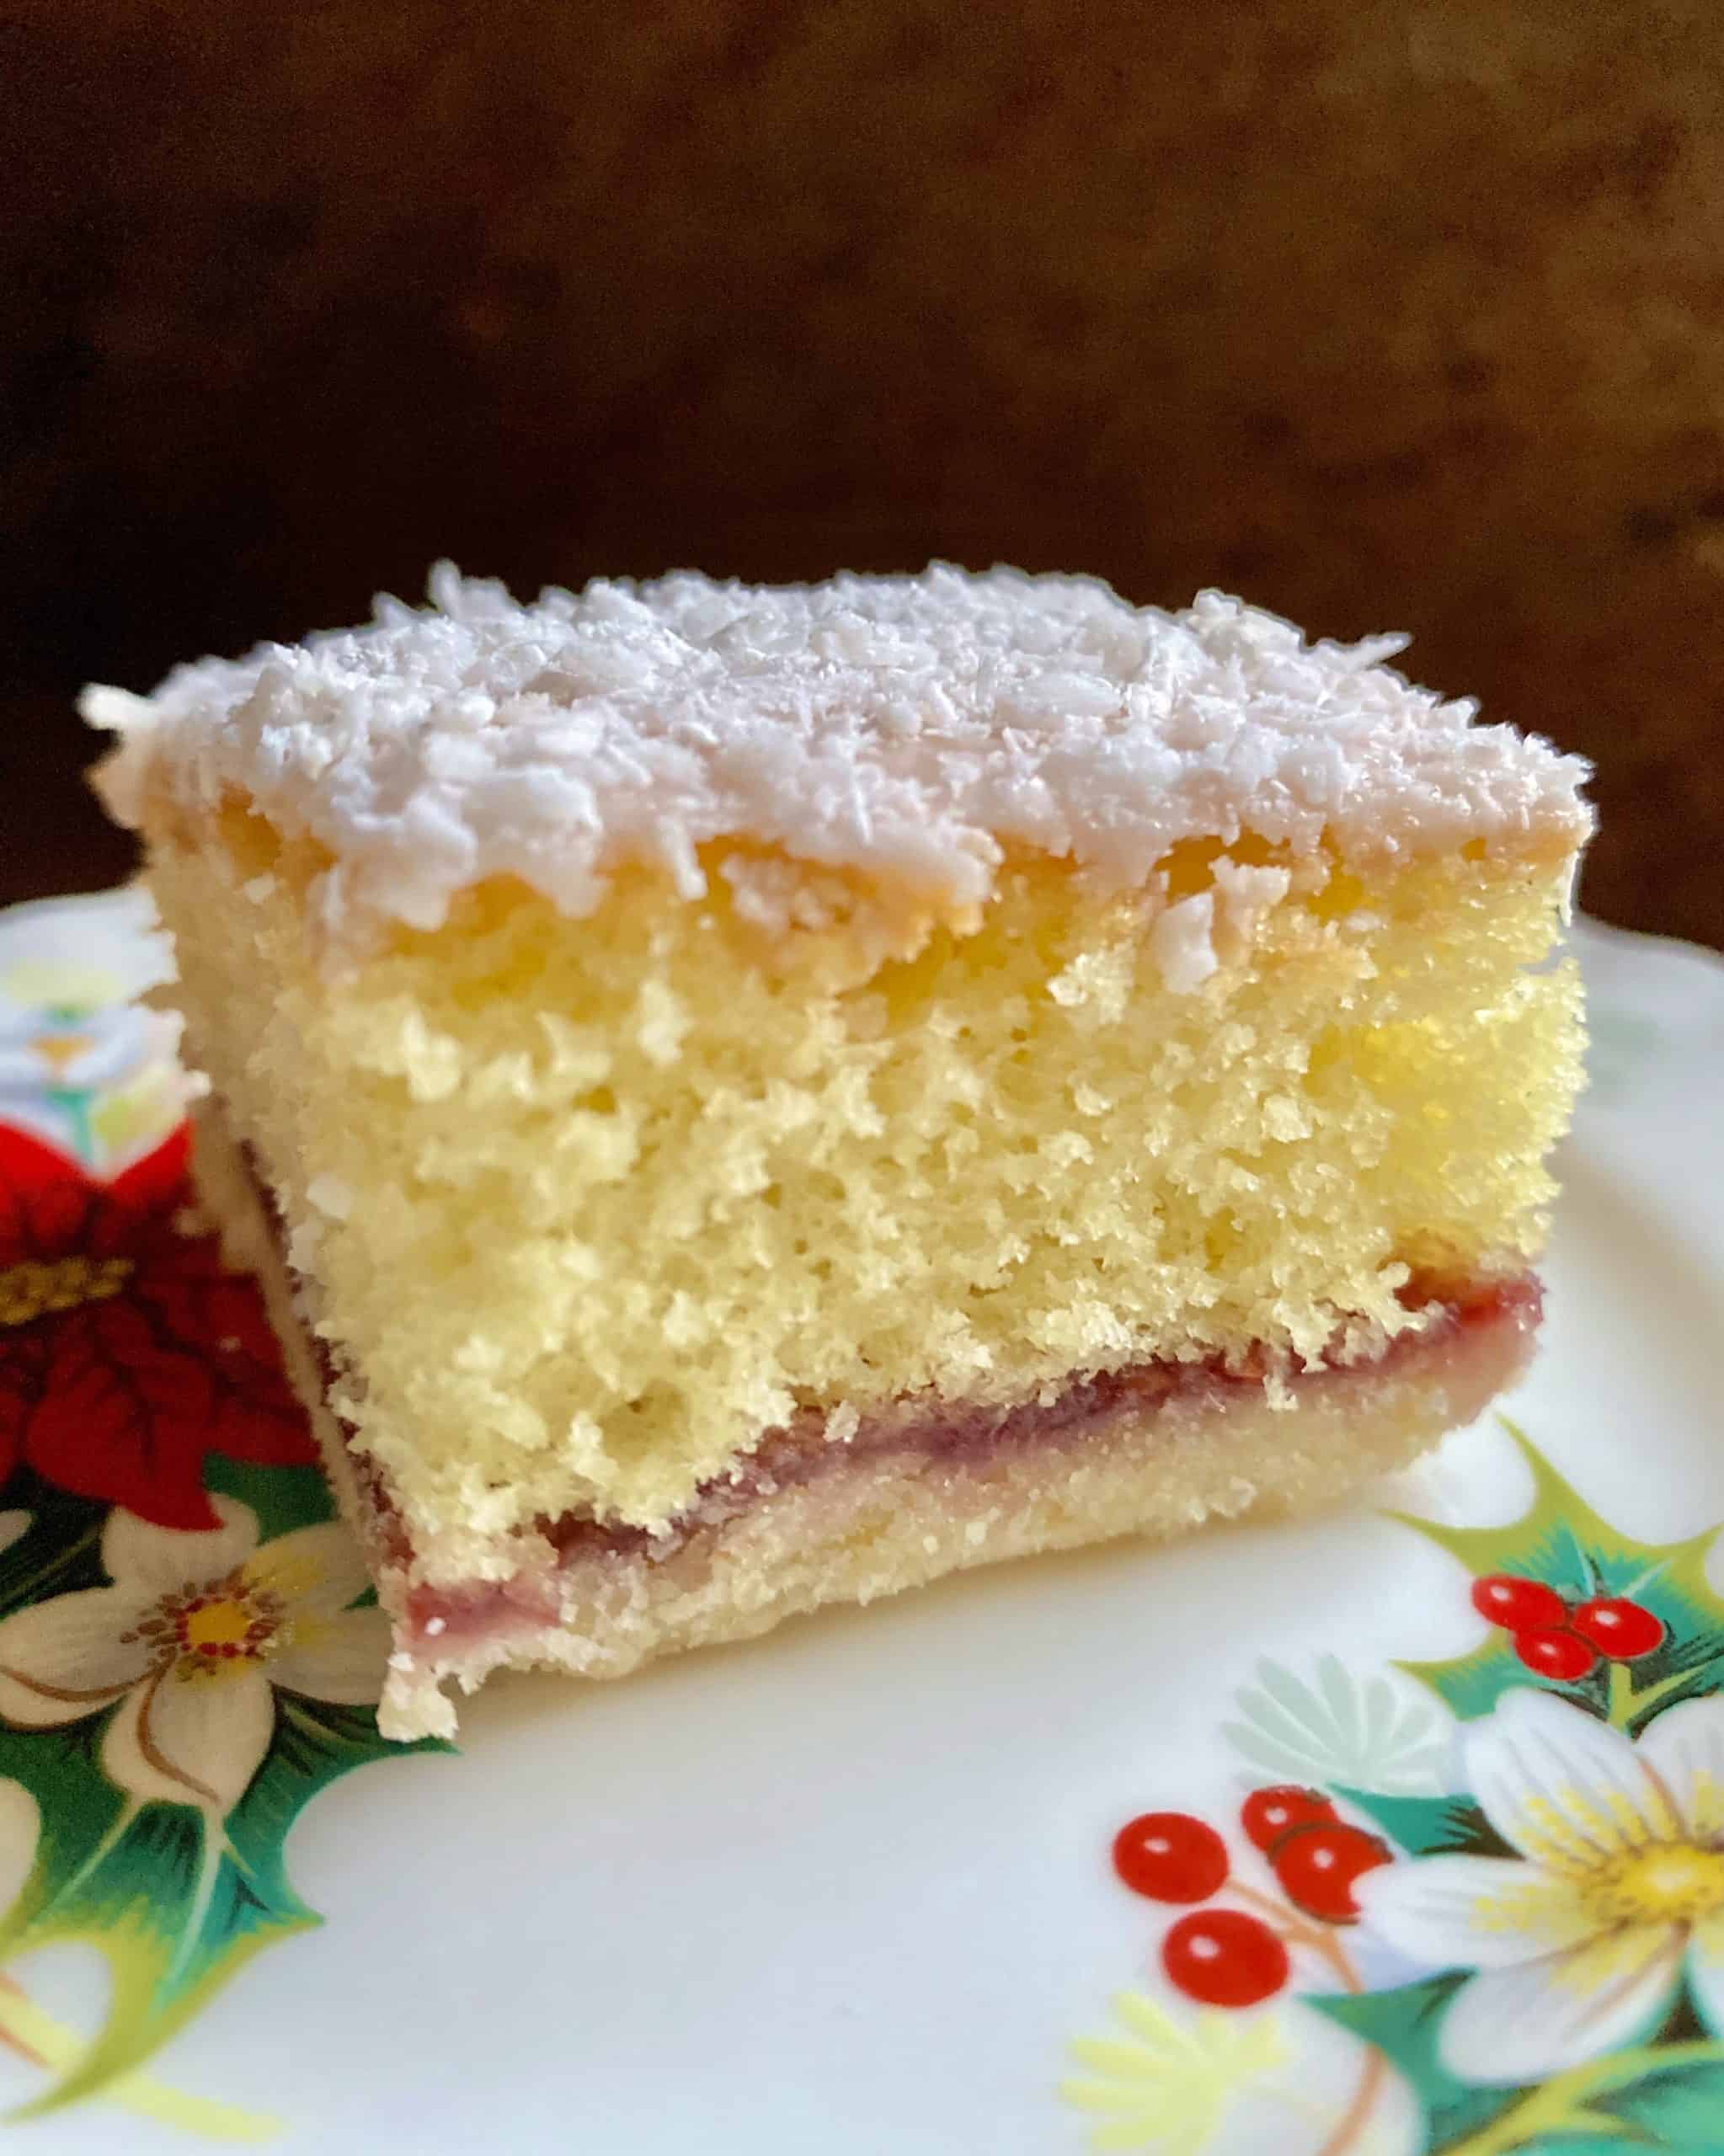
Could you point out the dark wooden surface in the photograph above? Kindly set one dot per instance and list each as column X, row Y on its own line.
column 1387, row 315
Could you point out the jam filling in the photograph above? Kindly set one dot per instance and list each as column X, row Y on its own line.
column 933, row 1433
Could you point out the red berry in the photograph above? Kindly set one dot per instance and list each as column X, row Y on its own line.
column 1562, row 1657
column 1222, row 1957
column 1518, row 1605
column 1170, row 1857
column 1268, row 1814
column 1317, row 1865
column 1620, row 1630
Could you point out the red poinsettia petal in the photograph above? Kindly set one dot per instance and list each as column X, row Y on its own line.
column 49, row 1207
column 263, row 1426
column 258, row 1417
column 150, row 1191
column 27, row 1165
column 185, row 1282
column 201, row 1306
column 21, row 1361
column 47, row 1203
column 121, row 1399
column 124, row 1416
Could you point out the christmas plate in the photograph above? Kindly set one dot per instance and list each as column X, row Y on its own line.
column 1401, row 1830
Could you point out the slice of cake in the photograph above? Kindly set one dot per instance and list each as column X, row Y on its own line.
column 746, row 1098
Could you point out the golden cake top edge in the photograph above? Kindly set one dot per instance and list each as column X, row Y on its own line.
column 917, row 732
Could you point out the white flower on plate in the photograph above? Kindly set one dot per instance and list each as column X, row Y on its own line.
column 1224, row 2083
column 193, row 1638
column 1579, row 1942
column 1335, row 1729
column 1168, row 2082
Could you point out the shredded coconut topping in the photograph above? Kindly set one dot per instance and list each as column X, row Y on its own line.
column 908, row 728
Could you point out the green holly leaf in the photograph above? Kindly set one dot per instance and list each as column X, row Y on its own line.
column 1430, row 1826
column 59, row 1552
column 1658, row 2099
column 1678, row 2107
column 1561, row 1541
column 1564, row 2144
column 1663, row 2096
column 1403, row 2024
column 176, row 1900
column 282, row 1498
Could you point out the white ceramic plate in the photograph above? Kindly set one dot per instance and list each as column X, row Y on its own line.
column 848, row 1888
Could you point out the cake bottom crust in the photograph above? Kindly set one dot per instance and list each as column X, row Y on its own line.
column 861, row 1530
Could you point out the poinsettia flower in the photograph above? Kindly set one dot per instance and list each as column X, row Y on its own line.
column 1579, row 1942
column 193, row 1640
column 128, row 1350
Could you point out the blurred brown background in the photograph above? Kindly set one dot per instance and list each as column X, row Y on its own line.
column 1388, row 315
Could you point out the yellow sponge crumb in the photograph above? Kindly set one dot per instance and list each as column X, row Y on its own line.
column 590, row 1203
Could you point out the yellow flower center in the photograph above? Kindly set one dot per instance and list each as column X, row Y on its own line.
column 37, row 1289
column 59, row 1051
column 216, row 1625
column 1666, row 1882
column 219, row 1629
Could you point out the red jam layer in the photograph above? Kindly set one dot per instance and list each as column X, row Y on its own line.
column 934, row 1434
